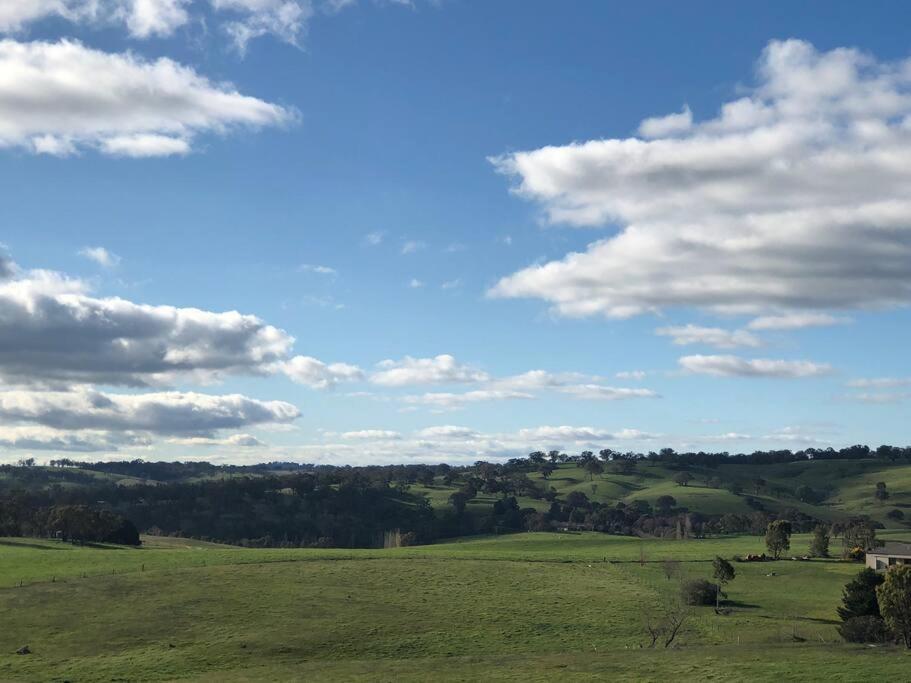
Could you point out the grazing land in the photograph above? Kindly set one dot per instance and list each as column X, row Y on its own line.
column 527, row 606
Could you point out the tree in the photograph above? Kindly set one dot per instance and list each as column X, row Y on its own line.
column 778, row 537
column 819, row 545
column 666, row 622
column 858, row 597
column 894, row 596
column 683, row 479
column 671, row 568
column 723, row 571
column 699, row 592
column 459, row 500
column 546, row 469
column 537, row 457
column 593, row 467
column 881, row 494
column 859, row 536
column 665, row 503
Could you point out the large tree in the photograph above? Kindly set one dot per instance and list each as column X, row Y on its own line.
column 778, row 537
column 819, row 545
column 724, row 572
column 858, row 597
column 894, row 597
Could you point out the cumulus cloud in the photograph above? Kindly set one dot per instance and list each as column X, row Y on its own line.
column 600, row 392
column 632, row 374
column 101, row 256
column 452, row 401
column 663, row 126
column 63, row 97
column 734, row 366
column 53, row 330
column 880, row 382
column 411, row 246
column 374, row 239
column 143, row 18
column 447, row 432
column 792, row 198
column 372, row 434
column 235, row 440
column 163, row 413
column 442, row 369
column 581, row 434
column 709, row 336
column 36, row 438
column 284, row 19
column 318, row 375
column 796, row 321
column 318, row 269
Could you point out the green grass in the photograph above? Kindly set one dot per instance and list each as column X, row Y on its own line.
column 519, row 607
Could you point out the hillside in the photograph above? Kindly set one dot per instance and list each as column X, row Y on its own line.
column 520, row 607
column 846, row 487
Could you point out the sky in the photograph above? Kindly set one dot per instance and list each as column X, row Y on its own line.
column 377, row 231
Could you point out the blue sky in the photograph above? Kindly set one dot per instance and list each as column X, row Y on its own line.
column 400, row 188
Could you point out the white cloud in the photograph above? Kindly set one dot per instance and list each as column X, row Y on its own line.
column 235, row 440
column 581, row 434
column 37, row 438
column 599, row 392
column 372, row 434
column 374, row 239
column 145, row 18
column 880, row 397
column 415, row 283
column 710, row 336
column 166, row 413
column 101, row 256
column 284, row 19
column 796, row 321
column 442, row 369
column 734, row 366
column 53, row 330
column 793, row 198
column 318, row 375
column 447, row 432
column 632, row 374
column 411, row 246
column 63, row 97
column 880, row 382
column 451, row 284
column 318, row 269
column 454, row 401
column 144, row 146
column 663, row 126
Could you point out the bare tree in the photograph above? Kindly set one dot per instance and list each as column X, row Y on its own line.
column 666, row 621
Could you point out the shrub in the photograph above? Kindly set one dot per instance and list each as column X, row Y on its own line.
column 698, row 592
column 866, row 629
column 895, row 514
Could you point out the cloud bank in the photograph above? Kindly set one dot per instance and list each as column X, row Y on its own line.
column 792, row 198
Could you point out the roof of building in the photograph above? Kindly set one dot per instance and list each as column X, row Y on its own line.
column 892, row 549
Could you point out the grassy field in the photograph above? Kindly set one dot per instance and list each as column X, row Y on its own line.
column 520, row 607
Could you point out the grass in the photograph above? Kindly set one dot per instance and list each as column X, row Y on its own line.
column 519, row 607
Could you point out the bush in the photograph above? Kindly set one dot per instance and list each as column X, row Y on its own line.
column 895, row 514
column 866, row 629
column 698, row 592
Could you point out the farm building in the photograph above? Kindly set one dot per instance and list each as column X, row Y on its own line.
column 888, row 554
